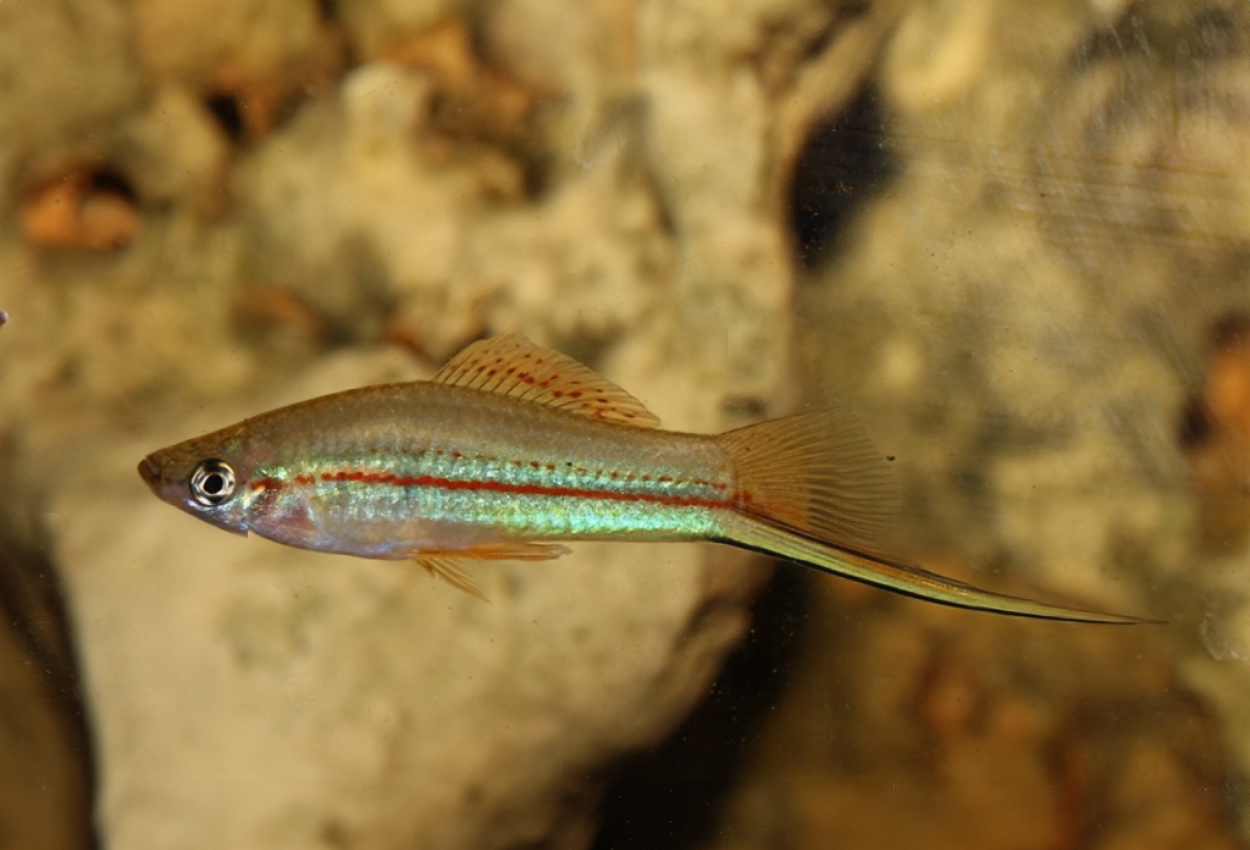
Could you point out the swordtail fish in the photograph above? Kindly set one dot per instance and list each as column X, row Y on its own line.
column 512, row 450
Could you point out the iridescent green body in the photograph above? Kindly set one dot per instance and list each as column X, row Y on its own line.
column 353, row 475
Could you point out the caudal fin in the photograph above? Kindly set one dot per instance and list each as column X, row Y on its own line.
column 813, row 489
column 817, row 473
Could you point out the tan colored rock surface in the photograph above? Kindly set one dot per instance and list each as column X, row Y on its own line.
column 1034, row 296
column 457, row 179
column 219, row 210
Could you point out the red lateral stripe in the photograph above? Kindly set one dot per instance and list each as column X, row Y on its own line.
column 519, row 489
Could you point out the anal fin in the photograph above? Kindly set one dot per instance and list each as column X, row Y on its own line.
column 450, row 567
column 452, row 571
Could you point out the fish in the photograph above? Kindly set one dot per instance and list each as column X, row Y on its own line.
column 513, row 450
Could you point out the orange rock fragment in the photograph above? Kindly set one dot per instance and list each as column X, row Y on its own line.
column 1215, row 435
column 80, row 210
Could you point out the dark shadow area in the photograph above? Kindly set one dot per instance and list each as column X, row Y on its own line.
column 843, row 163
column 327, row 10
column 225, row 108
column 105, row 180
column 47, row 787
column 671, row 797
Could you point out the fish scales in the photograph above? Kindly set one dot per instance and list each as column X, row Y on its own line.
column 478, row 460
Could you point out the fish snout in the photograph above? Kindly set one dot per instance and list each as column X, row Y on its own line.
column 150, row 473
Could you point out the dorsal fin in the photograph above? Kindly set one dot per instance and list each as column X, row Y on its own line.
column 512, row 365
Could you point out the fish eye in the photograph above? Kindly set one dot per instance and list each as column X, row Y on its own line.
column 212, row 482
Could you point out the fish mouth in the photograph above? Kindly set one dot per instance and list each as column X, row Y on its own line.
column 150, row 473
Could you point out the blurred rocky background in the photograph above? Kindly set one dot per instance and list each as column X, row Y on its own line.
column 1014, row 236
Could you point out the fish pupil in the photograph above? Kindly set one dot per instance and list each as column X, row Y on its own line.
column 212, row 482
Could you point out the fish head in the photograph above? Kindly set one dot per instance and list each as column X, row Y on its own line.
column 208, row 477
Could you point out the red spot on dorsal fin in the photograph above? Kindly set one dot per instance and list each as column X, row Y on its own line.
column 553, row 380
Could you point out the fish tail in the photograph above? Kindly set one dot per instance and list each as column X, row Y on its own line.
column 812, row 489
